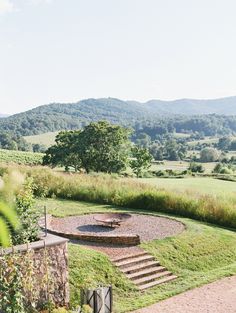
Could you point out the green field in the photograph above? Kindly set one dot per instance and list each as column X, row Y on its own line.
column 20, row 157
column 46, row 139
column 202, row 185
column 179, row 166
column 201, row 254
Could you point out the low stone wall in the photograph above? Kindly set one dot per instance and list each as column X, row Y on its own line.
column 50, row 257
column 127, row 240
column 124, row 239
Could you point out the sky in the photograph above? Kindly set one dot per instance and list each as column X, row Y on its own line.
column 68, row 50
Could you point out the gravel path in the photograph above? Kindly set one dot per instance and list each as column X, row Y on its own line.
column 217, row 297
column 146, row 226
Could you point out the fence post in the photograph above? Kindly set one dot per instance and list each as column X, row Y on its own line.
column 45, row 221
column 111, row 298
column 95, row 301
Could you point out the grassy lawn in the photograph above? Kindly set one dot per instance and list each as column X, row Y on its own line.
column 201, row 254
column 203, row 185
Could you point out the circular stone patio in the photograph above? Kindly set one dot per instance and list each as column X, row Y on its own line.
column 143, row 227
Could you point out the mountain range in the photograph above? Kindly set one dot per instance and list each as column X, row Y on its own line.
column 57, row 116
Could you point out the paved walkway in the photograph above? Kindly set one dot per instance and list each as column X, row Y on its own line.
column 217, row 297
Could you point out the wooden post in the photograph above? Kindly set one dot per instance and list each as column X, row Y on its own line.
column 111, row 298
column 45, row 221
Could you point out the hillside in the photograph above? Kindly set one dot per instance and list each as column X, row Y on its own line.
column 223, row 106
column 58, row 116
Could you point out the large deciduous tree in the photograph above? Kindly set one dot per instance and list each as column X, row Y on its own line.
column 99, row 147
column 65, row 152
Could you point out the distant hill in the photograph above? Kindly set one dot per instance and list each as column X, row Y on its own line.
column 3, row 115
column 222, row 106
column 58, row 116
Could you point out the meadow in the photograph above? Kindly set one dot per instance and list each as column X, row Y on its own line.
column 132, row 193
column 46, row 139
column 179, row 166
column 195, row 185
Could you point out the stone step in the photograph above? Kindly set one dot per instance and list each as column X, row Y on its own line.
column 151, row 278
column 134, row 261
column 129, row 256
column 146, row 272
column 157, row 282
column 139, row 267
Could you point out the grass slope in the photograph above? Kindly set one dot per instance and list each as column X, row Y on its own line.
column 201, row 254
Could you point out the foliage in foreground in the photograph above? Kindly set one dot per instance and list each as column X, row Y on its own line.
column 8, row 221
column 129, row 193
column 27, row 215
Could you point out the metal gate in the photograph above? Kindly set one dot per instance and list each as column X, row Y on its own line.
column 100, row 299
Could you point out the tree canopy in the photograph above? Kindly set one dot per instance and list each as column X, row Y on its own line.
column 99, row 147
column 141, row 160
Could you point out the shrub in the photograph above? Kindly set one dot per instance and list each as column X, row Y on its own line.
column 29, row 229
column 221, row 168
column 196, row 168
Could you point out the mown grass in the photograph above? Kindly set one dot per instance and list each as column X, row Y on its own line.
column 201, row 254
column 132, row 194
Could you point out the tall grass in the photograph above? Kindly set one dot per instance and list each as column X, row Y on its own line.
column 130, row 193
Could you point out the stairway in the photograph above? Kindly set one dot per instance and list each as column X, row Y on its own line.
column 143, row 270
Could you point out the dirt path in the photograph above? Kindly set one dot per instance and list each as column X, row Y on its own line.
column 217, row 297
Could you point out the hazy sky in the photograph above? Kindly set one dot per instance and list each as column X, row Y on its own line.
column 67, row 50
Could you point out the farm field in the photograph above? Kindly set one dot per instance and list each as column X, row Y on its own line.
column 213, row 246
column 179, row 166
column 208, row 140
column 202, row 185
column 46, row 139
column 20, row 157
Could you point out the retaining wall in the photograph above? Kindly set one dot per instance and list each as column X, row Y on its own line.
column 50, row 255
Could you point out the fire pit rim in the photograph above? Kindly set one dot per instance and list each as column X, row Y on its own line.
column 108, row 218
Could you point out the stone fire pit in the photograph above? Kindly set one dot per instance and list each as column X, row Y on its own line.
column 112, row 219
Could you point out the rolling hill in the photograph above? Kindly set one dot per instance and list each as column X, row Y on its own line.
column 58, row 116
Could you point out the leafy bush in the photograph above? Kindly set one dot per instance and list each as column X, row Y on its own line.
column 196, row 168
column 222, row 168
column 28, row 216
